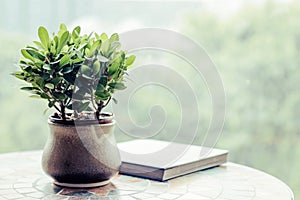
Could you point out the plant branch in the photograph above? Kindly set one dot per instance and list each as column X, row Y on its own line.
column 63, row 110
column 57, row 108
column 69, row 101
column 92, row 100
column 107, row 102
column 99, row 108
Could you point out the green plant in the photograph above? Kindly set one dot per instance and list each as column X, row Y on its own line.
column 74, row 72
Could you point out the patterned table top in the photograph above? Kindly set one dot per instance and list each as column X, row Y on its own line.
column 21, row 177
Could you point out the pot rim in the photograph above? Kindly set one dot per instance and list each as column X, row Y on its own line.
column 86, row 123
column 107, row 120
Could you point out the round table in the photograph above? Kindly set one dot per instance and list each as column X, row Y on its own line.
column 21, row 177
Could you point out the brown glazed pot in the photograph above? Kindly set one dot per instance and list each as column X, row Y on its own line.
column 81, row 154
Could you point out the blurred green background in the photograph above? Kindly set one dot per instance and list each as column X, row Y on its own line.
column 255, row 46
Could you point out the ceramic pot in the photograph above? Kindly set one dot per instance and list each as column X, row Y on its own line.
column 81, row 154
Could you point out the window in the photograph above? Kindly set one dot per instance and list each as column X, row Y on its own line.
column 254, row 45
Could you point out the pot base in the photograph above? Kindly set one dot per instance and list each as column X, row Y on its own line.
column 82, row 185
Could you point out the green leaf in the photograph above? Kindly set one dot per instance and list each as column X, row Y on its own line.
column 115, row 100
column 28, row 69
column 27, row 55
column 78, row 60
column 100, row 88
column 118, row 86
column 31, row 47
column 94, row 47
column 83, row 106
column 38, row 44
column 85, row 70
column 19, row 75
column 45, row 96
column 62, row 41
column 49, row 85
column 103, row 81
column 62, row 29
column 129, row 60
column 82, row 45
column 96, row 67
column 104, row 95
column 103, row 37
column 114, row 46
column 51, row 104
column 87, row 52
column 35, row 96
column 35, row 54
column 64, row 60
column 29, row 88
column 56, row 80
column 59, row 95
column 89, row 109
column 103, row 59
column 40, row 81
column 105, row 47
column 47, row 67
column 78, row 106
column 55, row 41
column 67, row 70
column 122, row 55
column 113, row 68
column 64, row 49
column 44, row 36
column 113, row 38
column 45, row 76
column 76, row 32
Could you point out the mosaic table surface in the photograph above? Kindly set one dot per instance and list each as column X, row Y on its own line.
column 21, row 177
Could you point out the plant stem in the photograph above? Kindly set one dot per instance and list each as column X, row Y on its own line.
column 92, row 100
column 107, row 102
column 99, row 109
column 63, row 110
column 57, row 108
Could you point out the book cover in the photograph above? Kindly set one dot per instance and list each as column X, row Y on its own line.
column 161, row 160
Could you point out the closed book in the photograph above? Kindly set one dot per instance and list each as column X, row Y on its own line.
column 161, row 160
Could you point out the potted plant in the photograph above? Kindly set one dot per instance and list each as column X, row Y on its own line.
column 77, row 75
